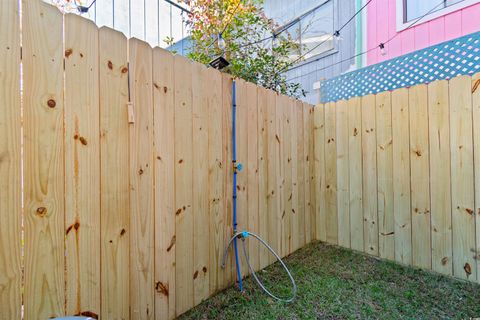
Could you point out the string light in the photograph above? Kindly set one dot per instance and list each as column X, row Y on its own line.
column 221, row 42
column 383, row 52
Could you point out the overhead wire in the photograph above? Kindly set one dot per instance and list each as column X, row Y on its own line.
column 382, row 44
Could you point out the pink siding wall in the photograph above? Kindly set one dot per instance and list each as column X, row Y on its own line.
column 382, row 25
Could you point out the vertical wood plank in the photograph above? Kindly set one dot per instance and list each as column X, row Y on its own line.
column 369, row 173
column 354, row 108
column 252, row 172
column 10, row 197
column 401, row 176
column 342, row 167
column 114, row 182
column 386, row 224
column 183, row 185
column 280, row 171
column 272, row 174
column 319, row 158
column 230, row 271
column 164, row 166
column 331, row 174
column 201, row 230
column 263, row 191
column 242, row 158
column 42, row 35
column 476, row 150
column 141, row 183
column 287, row 156
column 306, row 173
column 461, row 152
column 294, row 239
column 216, row 186
column 82, row 166
column 311, row 170
column 301, row 176
column 440, row 200
column 420, row 188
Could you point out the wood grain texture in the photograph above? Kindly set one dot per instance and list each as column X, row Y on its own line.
column 440, row 198
column 386, row 224
column 216, row 187
column 294, row 220
column 369, row 172
column 272, row 174
column 142, row 239
column 311, row 171
column 183, row 185
column 288, row 189
column 230, row 271
column 82, row 166
column 252, row 172
column 461, row 152
column 420, row 188
column 164, row 179
column 475, row 89
column 354, row 108
column 343, row 183
column 10, row 179
column 401, row 176
column 114, row 179
column 201, row 227
column 301, row 176
column 309, row 224
column 319, row 158
column 263, row 191
column 242, row 158
column 42, row 33
column 280, row 173
column 331, row 206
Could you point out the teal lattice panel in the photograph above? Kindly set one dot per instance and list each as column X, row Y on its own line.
column 443, row 61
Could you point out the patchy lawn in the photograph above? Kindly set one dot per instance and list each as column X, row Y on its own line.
column 335, row 283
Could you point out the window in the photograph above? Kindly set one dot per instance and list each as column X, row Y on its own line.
column 410, row 10
column 415, row 9
column 312, row 31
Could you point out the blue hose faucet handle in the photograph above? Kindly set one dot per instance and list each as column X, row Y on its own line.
column 244, row 234
column 238, row 167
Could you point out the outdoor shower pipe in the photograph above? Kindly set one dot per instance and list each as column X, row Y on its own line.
column 244, row 234
column 235, row 168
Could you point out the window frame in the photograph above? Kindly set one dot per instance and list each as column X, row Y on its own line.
column 299, row 19
column 401, row 7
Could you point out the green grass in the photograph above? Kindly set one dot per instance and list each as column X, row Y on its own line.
column 335, row 283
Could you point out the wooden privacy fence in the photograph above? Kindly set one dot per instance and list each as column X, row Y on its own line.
column 125, row 215
column 397, row 175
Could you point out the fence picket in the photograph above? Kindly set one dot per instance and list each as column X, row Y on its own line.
column 183, row 185
column 142, row 305
column 114, row 182
column 82, row 166
column 10, row 178
column 440, row 199
column 164, row 168
column 42, row 55
column 462, row 171
column 401, row 176
column 331, row 206
column 386, row 228
column 354, row 109
column 369, row 171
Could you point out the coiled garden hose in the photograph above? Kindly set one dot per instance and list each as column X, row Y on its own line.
column 243, row 235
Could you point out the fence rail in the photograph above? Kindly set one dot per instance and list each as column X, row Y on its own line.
column 398, row 175
column 126, row 214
